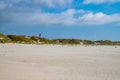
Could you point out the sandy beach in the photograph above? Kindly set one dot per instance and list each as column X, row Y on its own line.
column 57, row 62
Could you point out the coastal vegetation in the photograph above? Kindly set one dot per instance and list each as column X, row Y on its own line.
column 20, row 39
column 4, row 38
column 40, row 40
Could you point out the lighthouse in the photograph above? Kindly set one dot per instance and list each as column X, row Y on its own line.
column 39, row 35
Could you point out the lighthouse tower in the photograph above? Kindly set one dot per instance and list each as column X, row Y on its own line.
column 39, row 35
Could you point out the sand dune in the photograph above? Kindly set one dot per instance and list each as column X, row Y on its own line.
column 57, row 62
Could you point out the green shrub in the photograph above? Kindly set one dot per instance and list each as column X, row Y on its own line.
column 35, row 38
column 88, row 42
column 68, row 41
column 4, row 38
column 20, row 38
column 104, row 42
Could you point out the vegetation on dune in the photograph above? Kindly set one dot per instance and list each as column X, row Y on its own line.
column 4, row 38
column 107, row 42
column 20, row 39
column 88, row 42
column 47, row 41
column 42, row 40
column 68, row 41
column 39, row 40
column 35, row 38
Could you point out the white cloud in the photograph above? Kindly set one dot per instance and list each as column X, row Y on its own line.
column 98, row 18
column 64, row 18
column 48, row 3
column 18, row 1
column 53, row 3
column 99, row 1
column 70, row 17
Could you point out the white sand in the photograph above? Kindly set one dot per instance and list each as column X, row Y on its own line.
column 48, row 62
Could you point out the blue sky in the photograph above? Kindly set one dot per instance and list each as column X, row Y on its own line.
column 81, row 19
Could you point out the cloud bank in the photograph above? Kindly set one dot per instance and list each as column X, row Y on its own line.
column 67, row 18
column 26, row 12
column 53, row 3
column 42, row 3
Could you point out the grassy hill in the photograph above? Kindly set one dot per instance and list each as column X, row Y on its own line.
column 20, row 39
column 4, row 38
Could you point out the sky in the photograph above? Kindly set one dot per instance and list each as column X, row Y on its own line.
column 80, row 19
